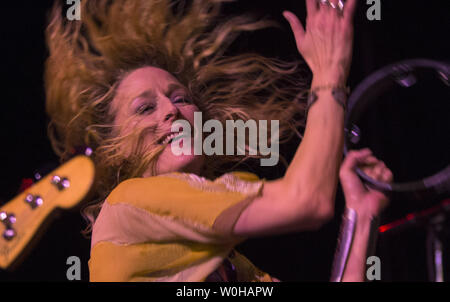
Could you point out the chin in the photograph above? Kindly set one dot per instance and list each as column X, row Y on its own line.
column 169, row 162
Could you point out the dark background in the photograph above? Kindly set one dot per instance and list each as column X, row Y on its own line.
column 408, row 29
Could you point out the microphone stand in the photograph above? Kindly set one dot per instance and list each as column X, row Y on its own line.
column 434, row 247
column 434, row 220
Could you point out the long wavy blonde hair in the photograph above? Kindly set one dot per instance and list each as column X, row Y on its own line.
column 89, row 58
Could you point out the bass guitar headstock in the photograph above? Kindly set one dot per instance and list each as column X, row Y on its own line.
column 22, row 217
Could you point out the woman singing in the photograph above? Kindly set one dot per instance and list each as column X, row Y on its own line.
column 120, row 77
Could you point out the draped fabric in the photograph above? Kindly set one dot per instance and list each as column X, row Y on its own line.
column 173, row 227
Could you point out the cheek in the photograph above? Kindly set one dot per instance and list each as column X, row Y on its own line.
column 187, row 112
column 136, row 135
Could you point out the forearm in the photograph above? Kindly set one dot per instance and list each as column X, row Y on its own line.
column 314, row 169
column 356, row 263
column 360, row 220
column 326, row 45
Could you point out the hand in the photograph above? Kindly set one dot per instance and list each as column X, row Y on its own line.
column 327, row 43
column 365, row 201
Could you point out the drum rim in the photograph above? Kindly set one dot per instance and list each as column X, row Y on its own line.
column 438, row 182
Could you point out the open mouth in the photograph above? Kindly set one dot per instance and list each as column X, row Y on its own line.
column 168, row 139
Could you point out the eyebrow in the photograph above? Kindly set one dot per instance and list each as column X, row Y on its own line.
column 145, row 94
column 150, row 94
column 174, row 86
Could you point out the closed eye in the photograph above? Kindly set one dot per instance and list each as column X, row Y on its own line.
column 182, row 100
column 145, row 109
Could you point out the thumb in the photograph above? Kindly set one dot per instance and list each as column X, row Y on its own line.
column 350, row 181
column 353, row 158
column 296, row 26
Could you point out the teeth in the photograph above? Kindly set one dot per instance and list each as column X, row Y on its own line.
column 169, row 138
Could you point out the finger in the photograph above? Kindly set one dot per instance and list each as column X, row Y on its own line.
column 380, row 173
column 311, row 7
column 375, row 170
column 378, row 170
column 369, row 171
column 354, row 157
column 334, row 4
column 371, row 168
column 296, row 26
column 370, row 160
column 387, row 176
column 349, row 9
column 323, row 8
column 334, row 9
column 385, row 173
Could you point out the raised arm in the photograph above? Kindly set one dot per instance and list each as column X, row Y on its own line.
column 304, row 197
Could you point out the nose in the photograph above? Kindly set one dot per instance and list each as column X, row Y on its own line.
column 169, row 112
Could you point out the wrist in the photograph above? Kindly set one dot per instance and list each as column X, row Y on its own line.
column 365, row 218
column 365, row 221
column 363, row 226
column 338, row 93
column 337, row 79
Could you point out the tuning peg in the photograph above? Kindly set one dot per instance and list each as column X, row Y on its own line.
column 8, row 220
column 34, row 201
column 60, row 183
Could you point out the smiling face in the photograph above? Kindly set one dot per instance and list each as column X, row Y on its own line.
column 152, row 99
